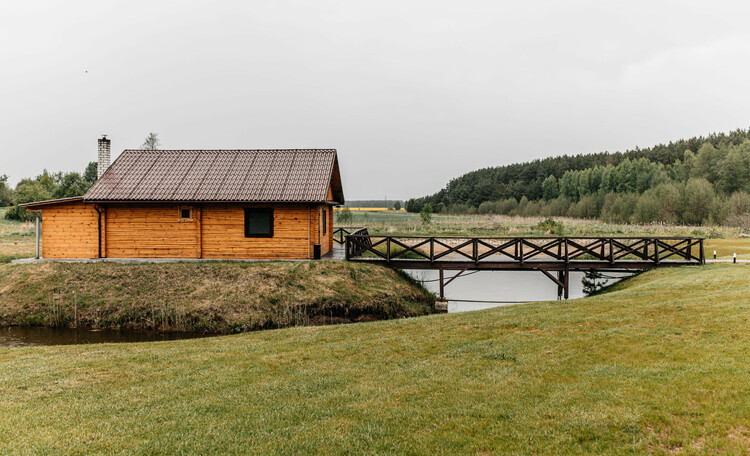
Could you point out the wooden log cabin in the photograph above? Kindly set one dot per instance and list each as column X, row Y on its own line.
column 213, row 204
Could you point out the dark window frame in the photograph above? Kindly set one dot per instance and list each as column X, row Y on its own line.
column 248, row 212
column 325, row 221
column 180, row 214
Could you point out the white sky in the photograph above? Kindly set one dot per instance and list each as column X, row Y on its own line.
column 411, row 93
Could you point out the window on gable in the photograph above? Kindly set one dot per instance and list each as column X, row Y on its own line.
column 259, row 222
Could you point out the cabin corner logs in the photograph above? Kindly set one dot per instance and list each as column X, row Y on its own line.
column 211, row 231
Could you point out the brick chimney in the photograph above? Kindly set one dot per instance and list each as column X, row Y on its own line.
column 104, row 155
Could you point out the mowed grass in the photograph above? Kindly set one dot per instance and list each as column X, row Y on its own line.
column 726, row 248
column 659, row 365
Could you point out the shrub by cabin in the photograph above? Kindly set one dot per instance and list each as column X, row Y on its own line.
column 241, row 204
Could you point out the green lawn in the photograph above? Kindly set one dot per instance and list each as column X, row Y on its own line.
column 659, row 365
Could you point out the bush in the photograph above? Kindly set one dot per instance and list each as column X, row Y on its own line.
column 587, row 207
column 647, row 209
column 697, row 201
column 27, row 191
column 619, row 207
column 739, row 203
column 550, row 226
column 426, row 213
column 344, row 216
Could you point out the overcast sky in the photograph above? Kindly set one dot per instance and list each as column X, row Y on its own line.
column 411, row 93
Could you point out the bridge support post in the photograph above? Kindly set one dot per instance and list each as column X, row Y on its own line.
column 442, row 286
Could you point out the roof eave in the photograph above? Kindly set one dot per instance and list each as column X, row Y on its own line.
column 30, row 206
column 102, row 201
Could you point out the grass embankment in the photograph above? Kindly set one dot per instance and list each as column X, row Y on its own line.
column 659, row 365
column 207, row 297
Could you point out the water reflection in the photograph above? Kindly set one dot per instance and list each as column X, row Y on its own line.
column 478, row 289
column 23, row 336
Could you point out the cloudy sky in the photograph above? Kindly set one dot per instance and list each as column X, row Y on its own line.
column 411, row 93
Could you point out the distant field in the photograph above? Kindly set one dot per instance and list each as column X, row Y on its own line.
column 657, row 366
column 17, row 239
column 375, row 209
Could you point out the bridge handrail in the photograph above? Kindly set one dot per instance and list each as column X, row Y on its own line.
column 353, row 249
column 563, row 249
column 535, row 237
column 341, row 232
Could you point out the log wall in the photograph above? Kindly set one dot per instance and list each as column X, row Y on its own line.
column 150, row 231
column 224, row 233
column 69, row 231
column 156, row 231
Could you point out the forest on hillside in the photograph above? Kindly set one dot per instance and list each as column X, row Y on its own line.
column 701, row 180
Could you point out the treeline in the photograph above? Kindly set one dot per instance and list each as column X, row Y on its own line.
column 44, row 187
column 667, row 183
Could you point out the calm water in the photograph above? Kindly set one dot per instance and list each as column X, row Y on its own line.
column 510, row 286
column 21, row 336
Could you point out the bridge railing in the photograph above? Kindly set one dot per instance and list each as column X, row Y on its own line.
column 643, row 250
column 340, row 233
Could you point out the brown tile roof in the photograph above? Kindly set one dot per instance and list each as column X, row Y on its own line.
column 299, row 175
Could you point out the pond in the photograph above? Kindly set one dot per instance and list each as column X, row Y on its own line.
column 476, row 290
column 25, row 336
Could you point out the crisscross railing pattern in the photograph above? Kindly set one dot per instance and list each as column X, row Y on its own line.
column 362, row 243
column 601, row 250
column 340, row 234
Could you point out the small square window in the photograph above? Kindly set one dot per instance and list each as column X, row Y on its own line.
column 259, row 222
column 185, row 214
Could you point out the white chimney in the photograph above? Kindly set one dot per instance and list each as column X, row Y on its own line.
column 104, row 155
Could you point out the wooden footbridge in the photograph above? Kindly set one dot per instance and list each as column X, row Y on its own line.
column 555, row 257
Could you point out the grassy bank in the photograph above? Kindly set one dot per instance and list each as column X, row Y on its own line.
column 657, row 366
column 207, row 297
